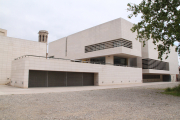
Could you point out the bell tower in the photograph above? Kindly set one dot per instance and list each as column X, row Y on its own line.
column 43, row 36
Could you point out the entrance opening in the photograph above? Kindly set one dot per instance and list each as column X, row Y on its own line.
column 166, row 78
column 156, row 78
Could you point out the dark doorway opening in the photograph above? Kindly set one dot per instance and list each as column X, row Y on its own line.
column 166, row 78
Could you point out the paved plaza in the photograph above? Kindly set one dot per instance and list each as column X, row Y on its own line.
column 129, row 101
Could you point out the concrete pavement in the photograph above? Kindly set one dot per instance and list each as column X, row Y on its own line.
column 9, row 90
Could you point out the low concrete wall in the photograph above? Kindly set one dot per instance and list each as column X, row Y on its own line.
column 104, row 74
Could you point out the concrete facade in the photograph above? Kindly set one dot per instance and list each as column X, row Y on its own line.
column 73, row 46
column 149, row 52
column 11, row 48
column 104, row 74
column 112, row 43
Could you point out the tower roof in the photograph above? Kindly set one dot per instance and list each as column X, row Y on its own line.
column 43, row 31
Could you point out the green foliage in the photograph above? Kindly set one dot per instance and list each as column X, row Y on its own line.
column 168, row 90
column 173, row 91
column 160, row 21
column 177, row 88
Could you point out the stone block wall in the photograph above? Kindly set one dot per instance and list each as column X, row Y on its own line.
column 11, row 48
column 104, row 74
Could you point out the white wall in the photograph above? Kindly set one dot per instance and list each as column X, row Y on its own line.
column 109, row 59
column 104, row 74
column 58, row 48
column 112, row 30
column 11, row 48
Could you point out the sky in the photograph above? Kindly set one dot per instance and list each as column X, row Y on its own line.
column 24, row 18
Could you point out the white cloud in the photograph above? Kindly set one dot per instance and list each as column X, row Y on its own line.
column 24, row 18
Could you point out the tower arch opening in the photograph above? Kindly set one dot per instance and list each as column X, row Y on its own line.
column 43, row 36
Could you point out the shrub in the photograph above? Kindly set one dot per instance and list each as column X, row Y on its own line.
column 173, row 91
column 168, row 89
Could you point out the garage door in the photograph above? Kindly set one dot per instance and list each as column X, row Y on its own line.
column 58, row 79
column 74, row 79
column 37, row 78
column 88, row 79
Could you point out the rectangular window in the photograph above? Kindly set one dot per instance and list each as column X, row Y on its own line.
column 99, row 60
column 151, row 76
column 109, row 44
column 154, row 64
column 120, row 61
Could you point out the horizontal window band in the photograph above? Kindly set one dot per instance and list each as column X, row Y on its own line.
column 109, row 44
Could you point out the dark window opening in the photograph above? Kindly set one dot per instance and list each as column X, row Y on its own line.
column 167, row 78
column 154, row 64
column 99, row 60
column 39, row 38
column 43, row 38
column 120, row 61
column 133, row 62
column 151, row 76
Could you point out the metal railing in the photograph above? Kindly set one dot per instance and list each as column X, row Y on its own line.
column 73, row 60
column 39, row 57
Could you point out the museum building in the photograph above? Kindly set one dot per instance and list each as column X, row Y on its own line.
column 106, row 54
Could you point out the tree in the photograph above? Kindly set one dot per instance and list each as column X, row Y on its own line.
column 160, row 21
